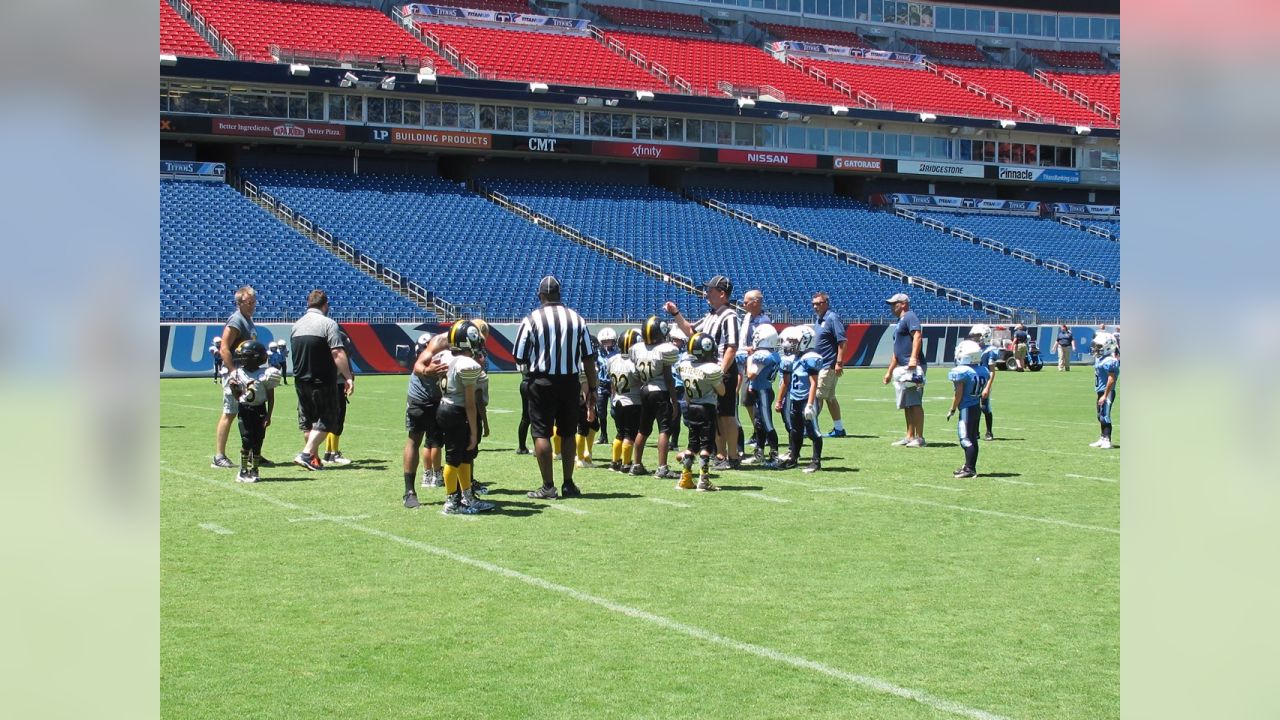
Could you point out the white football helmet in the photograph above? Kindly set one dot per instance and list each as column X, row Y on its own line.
column 607, row 335
column 1104, row 344
column 968, row 352
column 804, row 338
column 766, row 337
column 677, row 336
column 789, row 339
column 980, row 333
column 906, row 378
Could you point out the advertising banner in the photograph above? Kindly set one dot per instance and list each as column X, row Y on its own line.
column 857, row 164
column 944, row 169
column 285, row 129
column 644, row 151
column 421, row 11
column 963, row 204
column 387, row 347
column 1044, row 175
column 189, row 169
column 1081, row 209
column 434, row 138
column 842, row 51
column 760, row 157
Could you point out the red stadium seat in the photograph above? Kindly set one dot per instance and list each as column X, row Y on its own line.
column 1104, row 89
column 910, row 90
column 252, row 26
column 1025, row 91
column 957, row 52
column 179, row 38
column 1074, row 59
column 843, row 38
column 652, row 19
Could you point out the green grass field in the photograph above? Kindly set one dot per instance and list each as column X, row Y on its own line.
column 878, row 588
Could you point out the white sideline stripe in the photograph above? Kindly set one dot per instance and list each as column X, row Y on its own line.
column 843, row 489
column 1090, row 477
column 567, row 508
column 314, row 518
column 1113, row 456
column 961, row 508
column 864, row 681
column 672, row 503
column 218, row 529
column 761, row 496
column 938, row 487
column 1012, row 482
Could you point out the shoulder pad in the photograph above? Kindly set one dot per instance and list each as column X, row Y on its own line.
column 468, row 370
column 711, row 373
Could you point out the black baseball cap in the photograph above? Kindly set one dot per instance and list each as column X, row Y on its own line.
column 549, row 287
column 720, row 282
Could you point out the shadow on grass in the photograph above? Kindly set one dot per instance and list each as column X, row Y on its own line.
column 933, row 444
column 172, row 427
column 740, row 488
column 1006, row 439
column 362, row 465
column 1000, row 475
column 837, row 469
column 302, row 478
column 586, row 495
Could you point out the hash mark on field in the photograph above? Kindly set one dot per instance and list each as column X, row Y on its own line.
column 843, row 489
column 567, row 508
column 672, row 503
column 761, row 496
column 693, row 631
column 314, row 518
column 939, row 487
column 1012, row 482
column 217, row 529
column 1090, row 477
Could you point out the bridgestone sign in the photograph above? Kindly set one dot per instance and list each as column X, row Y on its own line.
column 912, row 167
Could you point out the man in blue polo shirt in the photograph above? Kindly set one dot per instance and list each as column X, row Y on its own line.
column 830, row 345
column 908, row 353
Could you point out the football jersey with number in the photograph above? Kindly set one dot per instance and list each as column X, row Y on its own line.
column 627, row 386
column 804, row 372
column 974, row 378
column 1104, row 367
column 700, row 381
column 463, row 373
column 990, row 356
column 765, row 363
column 254, row 384
column 652, row 363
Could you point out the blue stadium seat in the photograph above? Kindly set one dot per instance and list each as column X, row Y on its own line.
column 1044, row 238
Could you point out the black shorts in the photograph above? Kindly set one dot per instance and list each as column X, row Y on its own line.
column 656, row 405
column 456, row 432
column 343, row 400
column 553, row 402
column 318, row 407
column 727, row 404
column 421, row 418
column 626, row 421
column 585, row 427
column 701, row 420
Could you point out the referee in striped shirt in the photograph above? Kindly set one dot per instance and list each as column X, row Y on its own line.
column 555, row 344
column 722, row 324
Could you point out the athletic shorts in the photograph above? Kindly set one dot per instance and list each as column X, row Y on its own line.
column 701, row 420
column 452, row 421
column 553, row 403
column 421, row 418
column 318, row 407
column 727, row 404
column 626, row 421
column 909, row 397
column 656, row 406
column 230, row 405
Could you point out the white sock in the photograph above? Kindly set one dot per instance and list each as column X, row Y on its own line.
column 839, row 425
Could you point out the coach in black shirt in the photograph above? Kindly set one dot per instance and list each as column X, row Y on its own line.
column 721, row 323
column 555, row 344
column 318, row 359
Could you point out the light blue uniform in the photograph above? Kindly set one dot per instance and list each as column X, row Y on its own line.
column 1103, row 368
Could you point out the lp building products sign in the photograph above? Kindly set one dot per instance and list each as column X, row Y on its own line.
column 944, row 169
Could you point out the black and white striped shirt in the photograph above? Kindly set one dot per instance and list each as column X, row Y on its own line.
column 553, row 340
column 723, row 327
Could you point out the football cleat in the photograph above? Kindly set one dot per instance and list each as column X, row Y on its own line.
column 638, row 469
column 543, row 493
column 705, row 484
column 221, row 461
column 813, row 467
column 964, row 472
column 310, row 462
column 411, row 500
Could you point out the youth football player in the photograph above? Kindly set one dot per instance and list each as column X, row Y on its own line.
column 703, row 386
column 969, row 377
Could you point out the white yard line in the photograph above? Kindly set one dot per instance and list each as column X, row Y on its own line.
column 217, row 529
column 672, row 503
column 864, row 681
column 938, row 487
column 843, row 489
column 930, row 503
column 567, row 508
column 1011, row 482
column 769, row 498
column 317, row 518
column 1090, row 477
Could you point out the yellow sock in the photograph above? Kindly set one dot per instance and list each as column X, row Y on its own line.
column 555, row 444
column 617, row 450
column 450, row 479
column 329, row 443
column 626, row 452
column 464, row 477
column 591, row 442
column 577, row 446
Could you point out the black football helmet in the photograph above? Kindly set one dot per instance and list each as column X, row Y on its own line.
column 703, row 347
column 250, row 355
column 654, row 330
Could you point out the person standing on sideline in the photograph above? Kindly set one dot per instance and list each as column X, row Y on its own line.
column 555, row 342
column 1066, row 346
column 318, row 359
column 722, row 324
column 830, row 345
column 753, row 317
column 908, row 346
column 1021, row 342
column 239, row 328
column 1106, row 371
column 420, row 415
column 333, row 443
column 606, row 348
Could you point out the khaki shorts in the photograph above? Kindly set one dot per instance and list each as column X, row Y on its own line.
column 1020, row 350
column 230, row 404
column 827, row 380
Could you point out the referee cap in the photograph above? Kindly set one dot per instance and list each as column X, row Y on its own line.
column 720, row 282
column 549, row 287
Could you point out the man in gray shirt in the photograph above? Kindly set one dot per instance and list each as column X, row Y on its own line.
column 318, row 358
column 238, row 329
